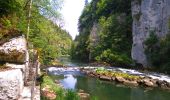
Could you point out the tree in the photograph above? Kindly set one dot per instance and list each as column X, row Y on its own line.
column 36, row 18
column 114, row 21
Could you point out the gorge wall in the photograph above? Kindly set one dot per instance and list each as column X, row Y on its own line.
column 148, row 16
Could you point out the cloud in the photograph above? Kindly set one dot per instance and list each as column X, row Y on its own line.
column 71, row 11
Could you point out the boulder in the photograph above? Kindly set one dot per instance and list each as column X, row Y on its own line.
column 24, row 68
column 163, row 84
column 14, row 51
column 149, row 83
column 11, row 84
column 113, row 78
column 130, row 83
column 84, row 96
column 107, row 78
column 119, row 79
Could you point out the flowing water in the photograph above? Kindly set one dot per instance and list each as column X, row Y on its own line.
column 72, row 78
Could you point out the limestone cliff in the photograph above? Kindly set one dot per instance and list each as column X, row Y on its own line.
column 148, row 15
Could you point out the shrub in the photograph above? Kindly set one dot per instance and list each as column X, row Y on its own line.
column 113, row 58
column 61, row 93
column 71, row 95
column 158, row 52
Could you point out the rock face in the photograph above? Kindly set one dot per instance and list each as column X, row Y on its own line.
column 14, row 51
column 148, row 16
column 11, row 84
column 15, row 57
column 94, row 37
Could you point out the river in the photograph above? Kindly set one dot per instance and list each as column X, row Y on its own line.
column 72, row 78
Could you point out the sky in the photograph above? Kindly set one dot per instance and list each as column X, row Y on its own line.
column 71, row 11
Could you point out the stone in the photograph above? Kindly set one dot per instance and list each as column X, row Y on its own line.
column 81, row 91
column 159, row 82
column 148, row 15
column 11, row 84
column 84, row 96
column 24, row 68
column 14, row 51
column 26, row 94
column 130, row 83
column 91, row 75
column 113, row 78
column 119, row 79
column 149, row 83
column 106, row 78
column 46, row 92
column 50, row 95
column 168, row 84
column 163, row 84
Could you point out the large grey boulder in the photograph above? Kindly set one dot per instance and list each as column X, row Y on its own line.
column 11, row 84
column 14, row 51
column 148, row 15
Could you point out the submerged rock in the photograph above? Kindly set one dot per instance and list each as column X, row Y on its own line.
column 83, row 95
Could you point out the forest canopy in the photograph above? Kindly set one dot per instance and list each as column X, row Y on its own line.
column 45, row 35
column 105, row 32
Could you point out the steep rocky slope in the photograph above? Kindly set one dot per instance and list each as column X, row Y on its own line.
column 149, row 16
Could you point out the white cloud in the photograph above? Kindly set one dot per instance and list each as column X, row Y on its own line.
column 71, row 11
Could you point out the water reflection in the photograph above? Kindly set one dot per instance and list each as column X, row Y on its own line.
column 110, row 90
column 69, row 82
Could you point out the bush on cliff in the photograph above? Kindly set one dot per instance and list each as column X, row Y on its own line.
column 158, row 52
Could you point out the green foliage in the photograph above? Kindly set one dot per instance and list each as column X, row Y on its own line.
column 71, row 95
column 152, row 48
column 9, row 7
column 114, row 58
column 50, row 39
column 114, row 37
column 5, row 22
column 45, row 36
column 169, row 23
column 152, row 40
column 117, row 74
column 61, row 93
column 158, row 52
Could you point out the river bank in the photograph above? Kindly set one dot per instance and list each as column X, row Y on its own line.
column 105, row 83
column 73, row 78
column 130, row 79
column 124, row 76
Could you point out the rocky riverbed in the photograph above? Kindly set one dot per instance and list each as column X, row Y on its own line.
column 125, row 76
column 129, row 77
